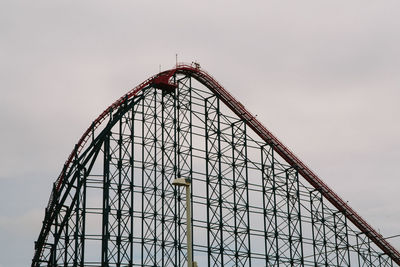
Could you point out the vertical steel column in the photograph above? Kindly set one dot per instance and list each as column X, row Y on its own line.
column 132, row 186
column 149, row 187
column 83, row 225
column 294, row 218
column 142, row 251
column 76, row 228
column 341, row 239
column 269, row 206
column 240, row 194
column 53, row 258
column 179, row 237
column 66, row 246
column 119, row 194
column 183, row 148
column 79, row 227
column 318, row 228
column 164, row 254
column 156, row 180
column 152, row 180
column 282, row 216
column 168, row 171
column 180, row 210
column 106, row 207
column 119, row 189
column 191, row 151
column 215, row 239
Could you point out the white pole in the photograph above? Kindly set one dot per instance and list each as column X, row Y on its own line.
column 189, row 227
column 187, row 184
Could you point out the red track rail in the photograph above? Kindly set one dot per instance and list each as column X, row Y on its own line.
column 207, row 80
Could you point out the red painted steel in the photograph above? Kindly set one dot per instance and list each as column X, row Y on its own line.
column 160, row 80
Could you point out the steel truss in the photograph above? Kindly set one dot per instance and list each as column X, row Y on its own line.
column 114, row 203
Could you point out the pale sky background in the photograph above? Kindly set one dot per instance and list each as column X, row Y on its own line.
column 323, row 76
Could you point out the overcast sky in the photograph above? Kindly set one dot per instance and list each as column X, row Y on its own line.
column 323, row 76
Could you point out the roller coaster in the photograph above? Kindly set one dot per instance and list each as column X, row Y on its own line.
column 253, row 201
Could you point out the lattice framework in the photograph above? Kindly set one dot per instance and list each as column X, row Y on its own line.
column 116, row 205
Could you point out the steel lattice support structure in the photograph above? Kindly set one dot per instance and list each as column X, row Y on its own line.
column 254, row 202
column 227, row 189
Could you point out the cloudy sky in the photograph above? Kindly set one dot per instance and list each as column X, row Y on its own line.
column 322, row 75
